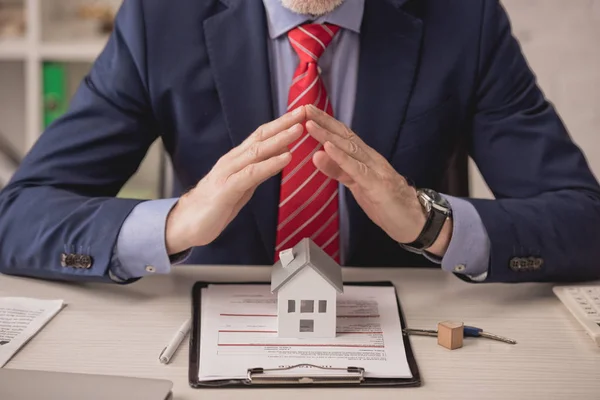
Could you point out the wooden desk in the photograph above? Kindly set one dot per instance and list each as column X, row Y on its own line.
column 112, row 329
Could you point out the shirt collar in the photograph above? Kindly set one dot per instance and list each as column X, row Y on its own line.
column 280, row 19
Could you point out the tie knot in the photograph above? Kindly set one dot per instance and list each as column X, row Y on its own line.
column 311, row 40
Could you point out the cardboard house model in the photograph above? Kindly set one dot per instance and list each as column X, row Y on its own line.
column 307, row 282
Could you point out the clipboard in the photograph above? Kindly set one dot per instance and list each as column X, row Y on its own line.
column 352, row 376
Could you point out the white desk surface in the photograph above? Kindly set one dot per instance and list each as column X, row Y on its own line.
column 112, row 329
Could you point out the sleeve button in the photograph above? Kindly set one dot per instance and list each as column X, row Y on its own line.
column 460, row 268
column 150, row 269
column 515, row 264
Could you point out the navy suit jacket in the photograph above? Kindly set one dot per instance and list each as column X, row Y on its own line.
column 433, row 74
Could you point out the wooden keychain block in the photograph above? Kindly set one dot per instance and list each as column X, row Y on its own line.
column 450, row 334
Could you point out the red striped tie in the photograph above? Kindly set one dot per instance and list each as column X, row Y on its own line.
column 308, row 205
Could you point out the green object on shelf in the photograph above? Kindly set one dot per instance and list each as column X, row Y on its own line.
column 54, row 91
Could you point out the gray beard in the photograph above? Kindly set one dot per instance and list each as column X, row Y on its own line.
column 312, row 7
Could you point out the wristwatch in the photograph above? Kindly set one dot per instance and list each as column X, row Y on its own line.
column 438, row 210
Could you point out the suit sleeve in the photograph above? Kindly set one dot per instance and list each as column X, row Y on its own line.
column 62, row 197
column 468, row 252
column 141, row 245
column 544, row 223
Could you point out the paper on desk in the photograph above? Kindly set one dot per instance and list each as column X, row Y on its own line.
column 239, row 331
column 20, row 319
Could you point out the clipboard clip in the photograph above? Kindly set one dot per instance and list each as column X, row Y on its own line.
column 346, row 375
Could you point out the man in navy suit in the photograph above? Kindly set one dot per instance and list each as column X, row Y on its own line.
column 284, row 119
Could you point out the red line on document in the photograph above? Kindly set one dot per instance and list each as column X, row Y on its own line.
column 274, row 315
column 250, row 331
column 296, row 345
column 248, row 315
column 256, row 331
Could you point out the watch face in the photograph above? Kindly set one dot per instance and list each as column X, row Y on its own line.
column 435, row 199
column 432, row 195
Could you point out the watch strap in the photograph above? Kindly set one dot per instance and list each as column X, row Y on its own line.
column 431, row 230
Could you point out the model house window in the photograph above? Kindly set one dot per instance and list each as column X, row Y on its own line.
column 307, row 306
column 291, row 306
column 307, row 325
column 322, row 306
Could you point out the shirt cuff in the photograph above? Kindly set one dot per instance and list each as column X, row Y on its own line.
column 469, row 249
column 141, row 247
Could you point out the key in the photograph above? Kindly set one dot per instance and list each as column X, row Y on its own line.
column 472, row 331
column 498, row 338
column 469, row 331
column 421, row 332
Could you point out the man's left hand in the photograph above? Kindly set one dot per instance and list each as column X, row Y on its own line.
column 384, row 195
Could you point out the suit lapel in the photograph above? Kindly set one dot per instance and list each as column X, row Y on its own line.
column 389, row 52
column 237, row 46
column 390, row 43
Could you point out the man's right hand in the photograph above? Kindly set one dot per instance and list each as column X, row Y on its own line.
column 204, row 212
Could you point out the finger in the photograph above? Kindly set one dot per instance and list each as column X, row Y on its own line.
column 265, row 132
column 260, row 151
column 350, row 146
column 337, row 127
column 330, row 168
column 255, row 174
column 358, row 171
column 272, row 128
column 326, row 121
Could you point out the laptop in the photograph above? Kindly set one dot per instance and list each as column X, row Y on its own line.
column 44, row 385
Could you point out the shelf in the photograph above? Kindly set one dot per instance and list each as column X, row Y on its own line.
column 13, row 49
column 12, row 116
column 75, row 51
column 69, row 51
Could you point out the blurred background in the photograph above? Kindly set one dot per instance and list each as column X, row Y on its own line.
column 47, row 46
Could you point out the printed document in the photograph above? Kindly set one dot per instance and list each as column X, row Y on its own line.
column 20, row 319
column 239, row 331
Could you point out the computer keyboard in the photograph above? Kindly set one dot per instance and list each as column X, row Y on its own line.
column 584, row 303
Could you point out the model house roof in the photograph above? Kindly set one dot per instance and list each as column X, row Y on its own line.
column 307, row 254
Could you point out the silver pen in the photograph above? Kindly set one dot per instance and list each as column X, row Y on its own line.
column 173, row 345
